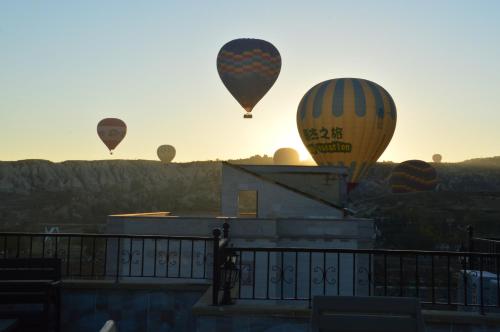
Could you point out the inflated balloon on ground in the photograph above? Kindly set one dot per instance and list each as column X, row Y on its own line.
column 286, row 156
column 248, row 68
column 166, row 153
column 413, row 176
column 347, row 122
column 111, row 131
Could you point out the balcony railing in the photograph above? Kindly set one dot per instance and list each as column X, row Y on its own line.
column 439, row 278
column 108, row 256
column 482, row 244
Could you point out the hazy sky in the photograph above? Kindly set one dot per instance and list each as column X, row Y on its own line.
column 64, row 65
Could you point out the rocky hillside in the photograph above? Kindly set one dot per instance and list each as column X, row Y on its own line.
column 468, row 193
column 475, row 175
column 35, row 192
column 78, row 195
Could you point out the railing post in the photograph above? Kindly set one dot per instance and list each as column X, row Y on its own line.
column 225, row 231
column 470, row 235
column 216, row 268
column 481, row 284
column 117, row 277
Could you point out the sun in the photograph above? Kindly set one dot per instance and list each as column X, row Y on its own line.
column 292, row 140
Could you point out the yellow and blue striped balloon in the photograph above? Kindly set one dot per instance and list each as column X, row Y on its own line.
column 347, row 122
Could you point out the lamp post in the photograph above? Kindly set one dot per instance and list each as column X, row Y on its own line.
column 229, row 276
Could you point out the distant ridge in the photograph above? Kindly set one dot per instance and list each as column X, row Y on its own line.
column 490, row 162
column 77, row 195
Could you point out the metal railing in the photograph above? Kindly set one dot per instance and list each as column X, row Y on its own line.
column 486, row 245
column 438, row 278
column 113, row 256
column 482, row 244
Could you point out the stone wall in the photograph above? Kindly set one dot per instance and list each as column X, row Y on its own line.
column 134, row 307
column 86, row 306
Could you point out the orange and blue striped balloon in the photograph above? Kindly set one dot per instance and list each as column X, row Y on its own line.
column 413, row 176
column 347, row 122
column 248, row 68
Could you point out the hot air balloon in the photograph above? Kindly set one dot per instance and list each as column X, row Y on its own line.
column 166, row 153
column 437, row 158
column 347, row 122
column 413, row 176
column 248, row 68
column 286, row 156
column 111, row 131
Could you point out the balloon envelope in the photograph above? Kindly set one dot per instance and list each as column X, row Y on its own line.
column 437, row 158
column 166, row 153
column 248, row 68
column 413, row 176
column 111, row 131
column 286, row 156
column 347, row 122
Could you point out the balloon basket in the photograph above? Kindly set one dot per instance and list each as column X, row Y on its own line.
column 247, row 116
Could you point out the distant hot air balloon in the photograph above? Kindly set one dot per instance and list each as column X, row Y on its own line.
column 413, row 176
column 111, row 131
column 248, row 68
column 437, row 158
column 347, row 122
column 286, row 156
column 166, row 153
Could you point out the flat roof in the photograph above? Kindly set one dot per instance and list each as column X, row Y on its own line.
column 290, row 169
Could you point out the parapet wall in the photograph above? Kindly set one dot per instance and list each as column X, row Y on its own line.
column 311, row 232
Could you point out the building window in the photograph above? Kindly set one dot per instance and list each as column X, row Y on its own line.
column 247, row 203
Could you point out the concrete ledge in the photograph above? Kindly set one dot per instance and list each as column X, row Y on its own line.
column 460, row 317
column 251, row 308
column 144, row 214
column 272, row 308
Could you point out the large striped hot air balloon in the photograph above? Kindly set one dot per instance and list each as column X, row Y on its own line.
column 248, row 68
column 347, row 122
column 413, row 176
column 111, row 131
column 286, row 156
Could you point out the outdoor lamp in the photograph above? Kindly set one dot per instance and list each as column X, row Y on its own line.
column 229, row 276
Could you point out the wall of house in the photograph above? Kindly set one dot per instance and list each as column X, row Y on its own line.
column 326, row 182
column 274, row 201
column 308, row 232
column 146, row 308
column 252, row 233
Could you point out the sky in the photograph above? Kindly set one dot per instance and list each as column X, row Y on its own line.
column 65, row 65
